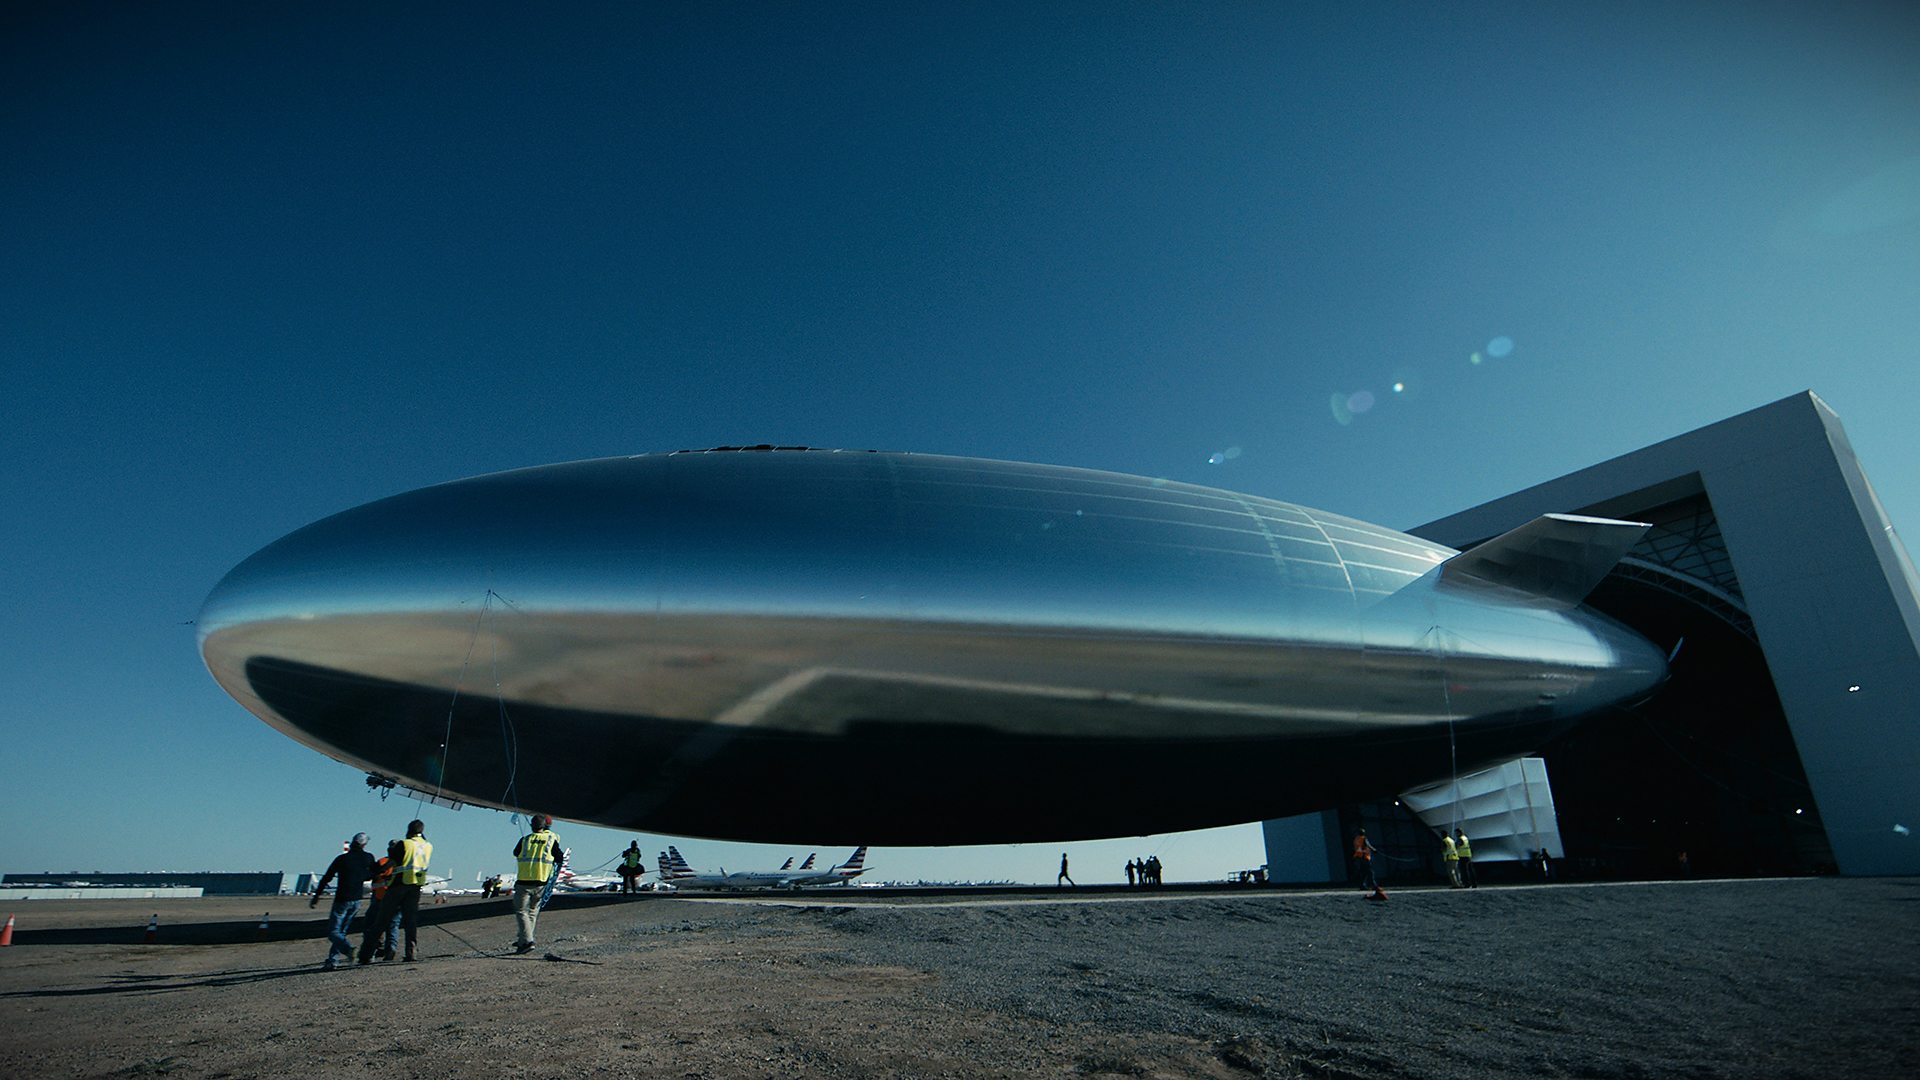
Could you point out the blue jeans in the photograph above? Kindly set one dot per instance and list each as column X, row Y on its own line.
column 339, row 917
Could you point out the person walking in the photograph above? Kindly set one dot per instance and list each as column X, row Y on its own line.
column 1064, row 876
column 403, row 896
column 1363, row 850
column 1130, row 872
column 385, row 915
column 1466, row 859
column 1450, row 855
column 352, row 868
column 631, row 867
column 537, row 854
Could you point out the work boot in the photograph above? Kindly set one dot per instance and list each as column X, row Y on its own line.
column 410, row 957
column 365, row 959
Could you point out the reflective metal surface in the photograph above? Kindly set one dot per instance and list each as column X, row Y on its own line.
column 976, row 651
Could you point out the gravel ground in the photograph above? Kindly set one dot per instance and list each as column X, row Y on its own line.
column 1808, row 978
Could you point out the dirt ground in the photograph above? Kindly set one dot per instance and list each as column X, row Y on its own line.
column 1810, row 978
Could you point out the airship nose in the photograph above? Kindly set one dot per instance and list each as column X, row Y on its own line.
column 345, row 633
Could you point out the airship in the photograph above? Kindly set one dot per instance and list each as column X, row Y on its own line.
column 788, row 644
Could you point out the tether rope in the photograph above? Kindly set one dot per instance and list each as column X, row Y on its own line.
column 446, row 740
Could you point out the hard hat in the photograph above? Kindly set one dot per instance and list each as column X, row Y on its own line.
column 359, row 839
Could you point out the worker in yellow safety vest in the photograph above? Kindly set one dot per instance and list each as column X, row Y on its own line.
column 1466, row 859
column 1450, row 855
column 403, row 896
column 538, row 854
column 631, row 867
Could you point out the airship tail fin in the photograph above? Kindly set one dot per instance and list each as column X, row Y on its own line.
column 1558, row 557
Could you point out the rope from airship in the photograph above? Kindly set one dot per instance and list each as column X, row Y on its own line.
column 509, row 738
column 446, row 740
column 1446, row 697
column 478, row 951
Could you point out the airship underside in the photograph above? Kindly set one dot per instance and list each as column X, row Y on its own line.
column 840, row 646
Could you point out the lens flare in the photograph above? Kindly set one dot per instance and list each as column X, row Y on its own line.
column 1406, row 381
column 1499, row 347
column 1360, row 401
column 1341, row 414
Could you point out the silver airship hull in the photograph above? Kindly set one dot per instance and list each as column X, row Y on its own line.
column 885, row 648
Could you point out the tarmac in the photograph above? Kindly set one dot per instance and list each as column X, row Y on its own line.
column 1795, row 977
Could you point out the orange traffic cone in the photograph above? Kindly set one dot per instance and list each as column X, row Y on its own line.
column 1378, row 893
column 6, row 933
column 153, row 929
column 261, row 934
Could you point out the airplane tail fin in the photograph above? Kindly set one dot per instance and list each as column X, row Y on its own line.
column 1557, row 557
column 788, row 865
column 808, row 865
column 673, row 865
column 854, row 866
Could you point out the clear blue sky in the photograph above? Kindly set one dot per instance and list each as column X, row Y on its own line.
column 258, row 266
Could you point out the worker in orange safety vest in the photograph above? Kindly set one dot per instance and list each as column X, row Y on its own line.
column 1363, row 850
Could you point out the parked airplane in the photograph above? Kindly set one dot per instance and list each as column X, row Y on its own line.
column 679, row 635
column 677, row 873
column 572, row 882
column 855, row 865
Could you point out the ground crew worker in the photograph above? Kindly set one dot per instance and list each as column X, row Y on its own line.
column 1466, row 859
column 386, row 913
column 403, row 895
column 353, row 867
column 1363, row 850
column 1064, row 876
column 1450, row 855
column 630, row 869
column 537, row 853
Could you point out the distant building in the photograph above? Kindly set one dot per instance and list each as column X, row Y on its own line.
column 94, row 892
column 1785, row 739
column 263, row 883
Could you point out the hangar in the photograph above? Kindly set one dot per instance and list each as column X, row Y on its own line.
column 1788, row 738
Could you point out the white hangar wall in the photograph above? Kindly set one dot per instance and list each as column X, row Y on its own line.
column 1831, row 592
